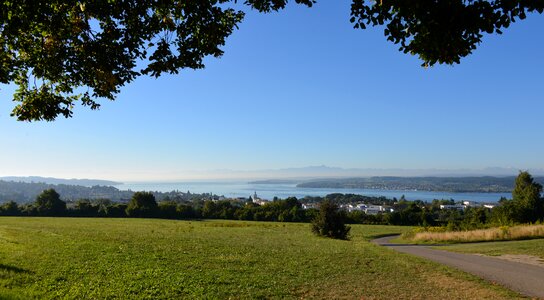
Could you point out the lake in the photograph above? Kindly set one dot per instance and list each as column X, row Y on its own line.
column 269, row 191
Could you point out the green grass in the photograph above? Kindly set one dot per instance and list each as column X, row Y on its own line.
column 142, row 258
column 526, row 247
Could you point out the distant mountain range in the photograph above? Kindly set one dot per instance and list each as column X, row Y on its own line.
column 275, row 181
column 329, row 172
column 51, row 180
column 313, row 172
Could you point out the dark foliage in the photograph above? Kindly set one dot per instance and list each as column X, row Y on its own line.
column 330, row 221
column 48, row 203
column 440, row 31
column 142, row 204
column 168, row 210
column 85, row 208
column 9, row 208
column 52, row 50
column 527, row 204
column 117, row 210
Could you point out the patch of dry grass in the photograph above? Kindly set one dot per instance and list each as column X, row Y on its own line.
column 503, row 233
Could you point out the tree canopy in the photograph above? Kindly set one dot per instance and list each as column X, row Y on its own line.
column 60, row 53
column 527, row 204
column 527, row 196
column 142, row 204
column 49, row 203
column 330, row 221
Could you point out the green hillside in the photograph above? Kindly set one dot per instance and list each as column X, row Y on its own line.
column 80, row 258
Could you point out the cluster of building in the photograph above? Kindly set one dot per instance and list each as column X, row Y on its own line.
column 465, row 204
column 366, row 208
column 310, row 205
column 253, row 198
column 369, row 208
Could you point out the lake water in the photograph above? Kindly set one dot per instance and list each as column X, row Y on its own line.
column 269, row 191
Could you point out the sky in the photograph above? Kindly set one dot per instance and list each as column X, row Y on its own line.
column 302, row 88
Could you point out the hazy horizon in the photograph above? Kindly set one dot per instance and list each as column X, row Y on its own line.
column 310, row 172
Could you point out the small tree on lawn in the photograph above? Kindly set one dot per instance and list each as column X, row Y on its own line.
column 330, row 221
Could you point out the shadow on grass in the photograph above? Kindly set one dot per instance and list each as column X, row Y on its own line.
column 13, row 269
column 384, row 240
column 377, row 236
column 412, row 245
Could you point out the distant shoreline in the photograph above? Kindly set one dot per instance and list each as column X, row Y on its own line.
column 484, row 184
column 51, row 180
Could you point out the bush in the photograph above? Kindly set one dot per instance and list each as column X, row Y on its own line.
column 330, row 222
column 115, row 210
column 84, row 208
column 142, row 204
column 10, row 208
column 48, row 203
column 168, row 210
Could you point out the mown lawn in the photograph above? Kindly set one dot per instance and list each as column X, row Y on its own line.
column 526, row 247
column 142, row 258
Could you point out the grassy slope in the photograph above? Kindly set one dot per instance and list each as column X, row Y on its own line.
column 528, row 247
column 138, row 258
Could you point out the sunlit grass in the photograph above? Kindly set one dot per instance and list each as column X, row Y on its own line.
column 503, row 233
column 525, row 247
column 144, row 258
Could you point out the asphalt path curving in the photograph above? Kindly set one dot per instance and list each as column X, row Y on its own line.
column 524, row 278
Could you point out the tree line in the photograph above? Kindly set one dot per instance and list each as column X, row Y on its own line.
column 22, row 192
column 526, row 206
column 145, row 205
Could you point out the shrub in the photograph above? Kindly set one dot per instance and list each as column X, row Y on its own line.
column 48, row 203
column 9, row 208
column 168, row 210
column 142, row 204
column 330, row 222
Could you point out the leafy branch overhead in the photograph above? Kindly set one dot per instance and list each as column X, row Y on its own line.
column 441, row 31
column 60, row 53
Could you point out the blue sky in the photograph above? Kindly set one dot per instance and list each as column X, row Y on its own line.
column 299, row 88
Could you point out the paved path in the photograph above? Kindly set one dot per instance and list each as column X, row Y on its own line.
column 524, row 278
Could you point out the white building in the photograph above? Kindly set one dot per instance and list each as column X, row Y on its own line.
column 353, row 207
column 373, row 209
column 310, row 206
column 453, row 206
column 471, row 204
column 258, row 200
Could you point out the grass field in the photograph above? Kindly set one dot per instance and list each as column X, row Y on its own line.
column 142, row 258
column 525, row 247
column 504, row 233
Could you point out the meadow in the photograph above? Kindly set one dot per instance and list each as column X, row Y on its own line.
column 79, row 258
column 503, row 233
column 525, row 247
